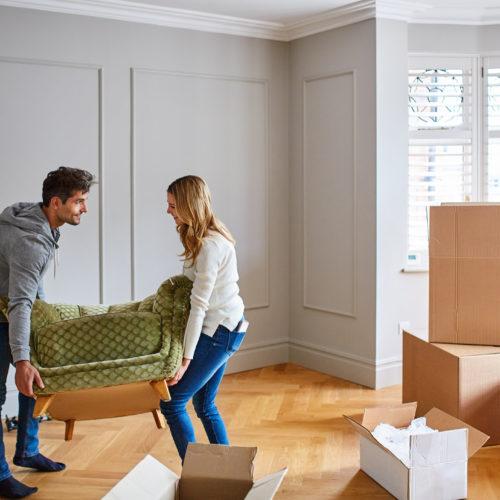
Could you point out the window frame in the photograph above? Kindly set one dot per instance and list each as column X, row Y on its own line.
column 417, row 260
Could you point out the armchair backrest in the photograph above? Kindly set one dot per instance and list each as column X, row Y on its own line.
column 67, row 334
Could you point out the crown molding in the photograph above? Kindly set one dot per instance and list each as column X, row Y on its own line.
column 161, row 16
column 468, row 16
column 201, row 21
column 411, row 11
column 335, row 18
column 401, row 10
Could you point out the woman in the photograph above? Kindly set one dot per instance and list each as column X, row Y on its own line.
column 215, row 326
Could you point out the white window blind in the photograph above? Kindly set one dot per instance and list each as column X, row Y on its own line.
column 491, row 89
column 442, row 155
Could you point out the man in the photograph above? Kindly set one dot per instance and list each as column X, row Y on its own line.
column 28, row 239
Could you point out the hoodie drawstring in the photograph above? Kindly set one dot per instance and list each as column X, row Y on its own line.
column 56, row 259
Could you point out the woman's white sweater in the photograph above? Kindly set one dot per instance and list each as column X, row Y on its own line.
column 215, row 296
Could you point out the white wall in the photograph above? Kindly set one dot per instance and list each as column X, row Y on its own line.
column 332, row 202
column 451, row 39
column 303, row 145
column 404, row 296
column 333, row 258
column 400, row 296
column 140, row 105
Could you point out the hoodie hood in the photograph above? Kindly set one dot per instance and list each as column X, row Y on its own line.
column 31, row 218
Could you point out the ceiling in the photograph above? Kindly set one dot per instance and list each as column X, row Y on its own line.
column 273, row 19
column 292, row 11
column 275, row 11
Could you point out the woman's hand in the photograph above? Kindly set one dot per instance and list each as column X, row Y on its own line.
column 180, row 372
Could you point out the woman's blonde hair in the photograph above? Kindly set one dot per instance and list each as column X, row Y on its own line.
column 192, row 203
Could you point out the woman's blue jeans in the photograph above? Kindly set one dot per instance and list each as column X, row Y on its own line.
column 27, row 427
column 201, row 382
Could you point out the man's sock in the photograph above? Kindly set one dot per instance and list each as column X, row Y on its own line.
column 40, row 463
column 12, row 488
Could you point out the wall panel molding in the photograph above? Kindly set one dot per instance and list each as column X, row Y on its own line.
column 134, row 73
column 311, row 218
column 100, row 168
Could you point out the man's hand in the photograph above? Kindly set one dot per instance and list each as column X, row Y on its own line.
column 26, row 373
column 180, row 372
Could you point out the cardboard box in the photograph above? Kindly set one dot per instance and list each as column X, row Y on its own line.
column 464, row 274
column 462, row 380
column 210, row 472
column 437, row 467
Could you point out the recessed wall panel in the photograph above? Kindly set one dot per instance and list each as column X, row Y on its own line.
column 216, row 128
column 329, row 194
column 50, row 116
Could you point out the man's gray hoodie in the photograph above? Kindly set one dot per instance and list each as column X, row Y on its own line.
column 26, row 248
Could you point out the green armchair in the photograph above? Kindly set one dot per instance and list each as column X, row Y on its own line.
column 101, row 361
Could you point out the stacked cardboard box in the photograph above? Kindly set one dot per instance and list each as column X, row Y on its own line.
column 458, row 370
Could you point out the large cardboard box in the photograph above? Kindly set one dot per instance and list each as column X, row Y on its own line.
column 210, row 472
column 462, row 380
column 437, row 468
column 464, row 274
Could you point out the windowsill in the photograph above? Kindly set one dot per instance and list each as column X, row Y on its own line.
column 415, row 269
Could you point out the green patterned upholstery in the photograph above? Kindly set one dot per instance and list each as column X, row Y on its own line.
column 80, row 347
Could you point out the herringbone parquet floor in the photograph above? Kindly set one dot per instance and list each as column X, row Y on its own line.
column 292, row 414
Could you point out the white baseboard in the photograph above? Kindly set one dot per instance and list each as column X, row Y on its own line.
column 389, row 372
column 338, row 364
column 347, row 366
column 253, row 356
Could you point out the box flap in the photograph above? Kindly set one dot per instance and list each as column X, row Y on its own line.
column 212, row 471
column 421, row 362
column 365, row 433
column 396, row 415
column 266, row 488
column 438, row 447
column 461, row 350
column 437, row 419
column 356, row 422
column 148, row 479
column 219, row 461
column 469, row 203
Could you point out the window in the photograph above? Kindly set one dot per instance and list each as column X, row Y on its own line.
column 491, row 88
column 454, row 138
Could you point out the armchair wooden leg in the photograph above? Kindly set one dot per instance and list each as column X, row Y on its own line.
column 159, row 418
column 68, row 432
column 42, row 404
column 160, row 386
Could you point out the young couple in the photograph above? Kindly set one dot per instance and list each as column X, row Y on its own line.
column 28, row 237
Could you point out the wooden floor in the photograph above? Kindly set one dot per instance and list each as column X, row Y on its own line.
column 292, row 414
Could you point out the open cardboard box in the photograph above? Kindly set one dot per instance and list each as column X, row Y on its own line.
column 210, row 472
column 438, row 461
column 468, row 385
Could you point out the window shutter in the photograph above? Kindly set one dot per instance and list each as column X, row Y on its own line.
column 491, row 89
column 441, row 156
